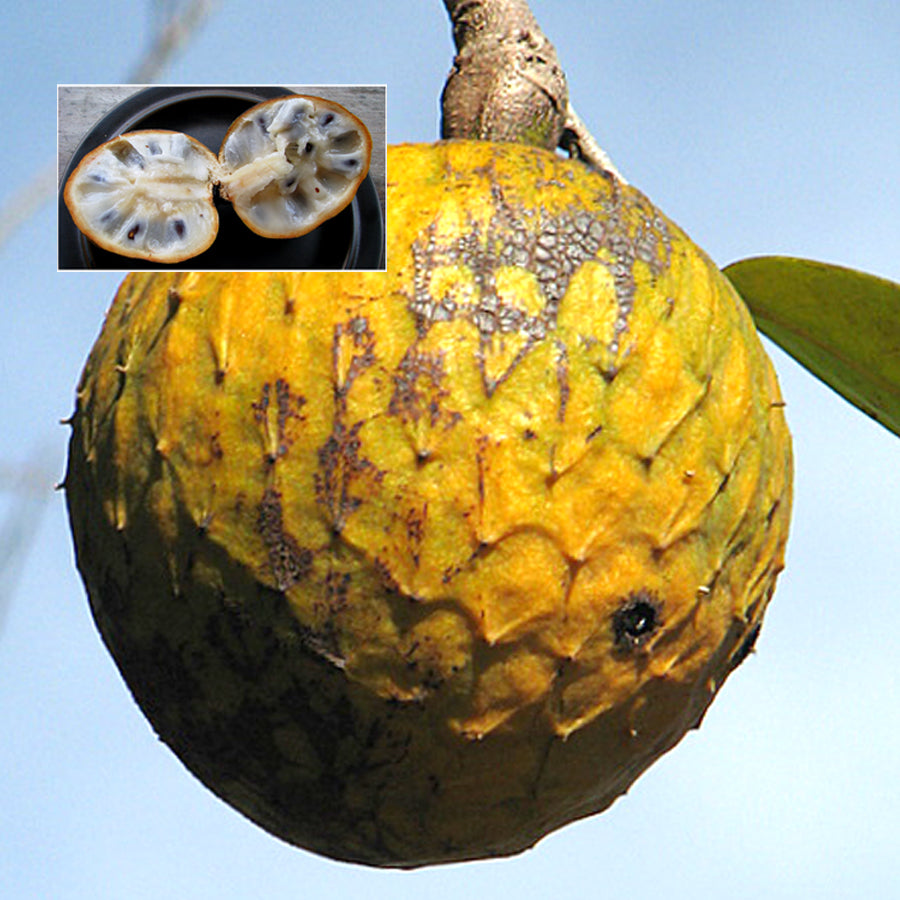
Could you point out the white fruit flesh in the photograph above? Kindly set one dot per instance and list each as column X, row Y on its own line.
column 287, row 165
column 146, row 195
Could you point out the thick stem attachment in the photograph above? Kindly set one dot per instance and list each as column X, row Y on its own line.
column 507, row 84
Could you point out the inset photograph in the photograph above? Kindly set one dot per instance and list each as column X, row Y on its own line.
column 231, row 178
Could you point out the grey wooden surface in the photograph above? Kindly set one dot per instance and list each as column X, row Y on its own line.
column 80, row 107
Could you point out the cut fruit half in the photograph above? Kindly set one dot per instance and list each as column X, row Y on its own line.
column 289, row 164
column 146, row 195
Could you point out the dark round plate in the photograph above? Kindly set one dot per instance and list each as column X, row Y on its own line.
column 353, row 239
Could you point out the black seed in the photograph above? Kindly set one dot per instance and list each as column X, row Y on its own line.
column 133, row 232
column 308, row 148
column 178, row 225
column 636, row 620
column 327, row 119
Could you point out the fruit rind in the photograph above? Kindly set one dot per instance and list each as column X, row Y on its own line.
column 417, row 567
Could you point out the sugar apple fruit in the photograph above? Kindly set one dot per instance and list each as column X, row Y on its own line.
column 418, row 566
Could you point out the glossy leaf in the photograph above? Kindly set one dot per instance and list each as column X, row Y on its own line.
column 842, row 325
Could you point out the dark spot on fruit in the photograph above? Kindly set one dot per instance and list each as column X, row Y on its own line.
column 594, row 432
column 723, row 483
column 609, row 374
column 529, row 434
column 636, row 620
column 260, row 406
column 289, row 306
column 418, row 387
column 288, row 561
column 173, row 298
column 220, row 375
column 562, row 379
column 337, row 591
column 133, row 232
column 746, row 647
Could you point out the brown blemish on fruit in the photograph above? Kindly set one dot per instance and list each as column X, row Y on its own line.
column 489, row 383
column 340, row 461
column 337, row 594
column 356, row 337
column 553, row 248
column 418, row 389
column 288, row 561
column 215, row 447
column 286, row 406
column 415, row 530
column 562, row 379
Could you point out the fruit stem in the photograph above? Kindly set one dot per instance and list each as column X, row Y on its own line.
column 507, row 84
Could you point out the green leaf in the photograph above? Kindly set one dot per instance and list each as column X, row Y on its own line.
column 842, row 325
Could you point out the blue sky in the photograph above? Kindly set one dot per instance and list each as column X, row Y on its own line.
column 760, row 127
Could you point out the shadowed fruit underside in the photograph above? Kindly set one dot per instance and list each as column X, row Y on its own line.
column 418, row 566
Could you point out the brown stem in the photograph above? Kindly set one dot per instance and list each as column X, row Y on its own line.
column 507, row 84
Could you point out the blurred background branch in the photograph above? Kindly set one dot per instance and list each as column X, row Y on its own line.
column 27, row 488
column 172, row 25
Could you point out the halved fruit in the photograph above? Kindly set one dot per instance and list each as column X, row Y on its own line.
column 289, row 164
column 146, row 195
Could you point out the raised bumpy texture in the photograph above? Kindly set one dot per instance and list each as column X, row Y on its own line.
column 418, row 566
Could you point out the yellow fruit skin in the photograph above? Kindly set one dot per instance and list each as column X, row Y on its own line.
column 419, row 566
